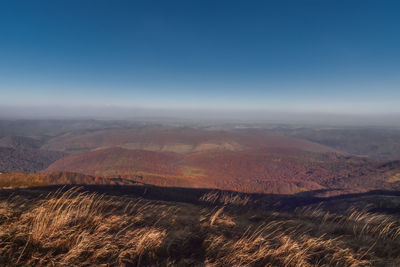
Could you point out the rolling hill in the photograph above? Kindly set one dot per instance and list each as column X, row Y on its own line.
column 264, row 170
column 242, row 159
column 178, row 139
column 26, row 160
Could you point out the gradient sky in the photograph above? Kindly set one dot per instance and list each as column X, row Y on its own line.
column 300, row 55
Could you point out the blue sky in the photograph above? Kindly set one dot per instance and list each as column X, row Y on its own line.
column 300, row 55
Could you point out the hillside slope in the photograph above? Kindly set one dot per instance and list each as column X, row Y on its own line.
column 283, row 171
column 25, row 180
column 178, row 139
column 26, row 160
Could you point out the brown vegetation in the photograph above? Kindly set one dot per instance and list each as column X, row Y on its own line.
column 246, row 160
column 273, row 170
column 26, row 160
column 24, row 180
column 77, row 228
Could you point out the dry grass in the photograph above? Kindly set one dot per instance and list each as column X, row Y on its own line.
column 225, row 198
column 75, row 228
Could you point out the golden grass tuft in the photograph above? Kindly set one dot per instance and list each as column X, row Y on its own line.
column 225, row 198
column 75, row 227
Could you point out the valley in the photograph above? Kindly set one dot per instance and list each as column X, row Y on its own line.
column 253, row 159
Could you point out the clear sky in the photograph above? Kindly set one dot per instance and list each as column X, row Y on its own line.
column 300, row 55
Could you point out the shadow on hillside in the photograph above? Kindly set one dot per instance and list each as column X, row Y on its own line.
column 377, row 200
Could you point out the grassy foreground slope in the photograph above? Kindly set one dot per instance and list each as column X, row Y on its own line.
column 137, row 226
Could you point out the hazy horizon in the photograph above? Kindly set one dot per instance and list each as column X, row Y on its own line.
column 197, row 115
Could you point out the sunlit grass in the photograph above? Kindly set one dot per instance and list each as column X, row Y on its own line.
column 77, row 228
